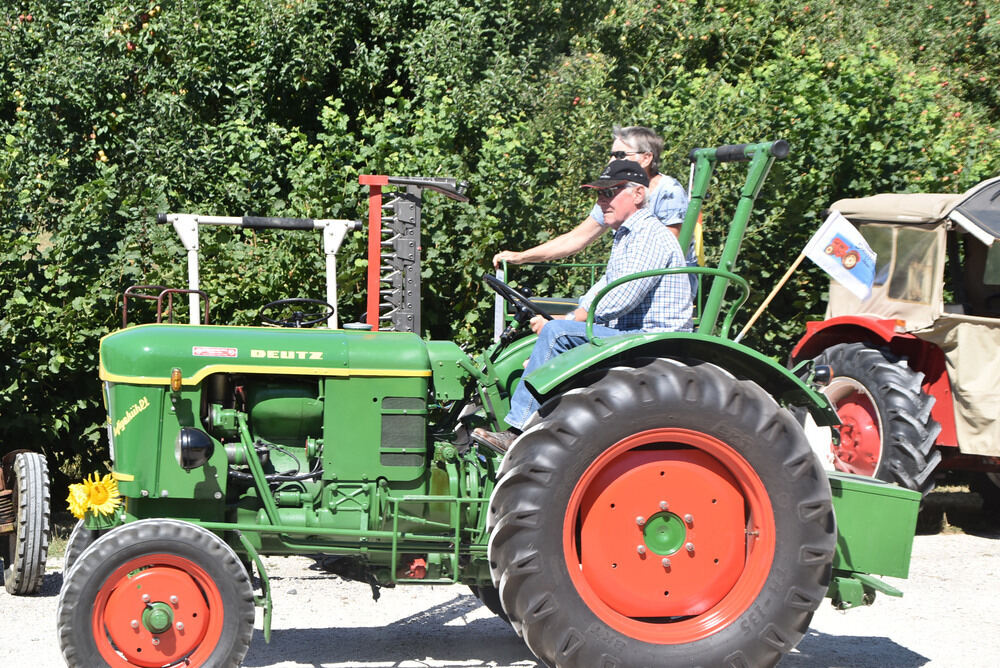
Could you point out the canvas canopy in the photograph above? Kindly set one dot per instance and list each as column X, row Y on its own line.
column 907, row 232
column 977, row 210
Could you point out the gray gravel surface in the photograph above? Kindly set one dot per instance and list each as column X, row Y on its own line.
column 949, row 617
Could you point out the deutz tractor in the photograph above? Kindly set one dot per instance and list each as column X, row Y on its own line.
column 24, row 520
column 915, row 365
column 662, row 508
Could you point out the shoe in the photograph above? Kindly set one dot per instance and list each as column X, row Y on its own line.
column 497, row 441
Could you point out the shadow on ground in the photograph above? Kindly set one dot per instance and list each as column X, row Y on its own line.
column 822, row 649
column 429, row 635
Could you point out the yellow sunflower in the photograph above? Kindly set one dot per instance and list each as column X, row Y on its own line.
column 77, row 500
column 99, row 495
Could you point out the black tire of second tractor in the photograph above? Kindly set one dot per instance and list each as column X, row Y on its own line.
column 907, row 430
column 539, row 474
column 28, row 546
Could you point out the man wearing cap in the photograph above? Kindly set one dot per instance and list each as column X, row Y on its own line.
column 654, row 304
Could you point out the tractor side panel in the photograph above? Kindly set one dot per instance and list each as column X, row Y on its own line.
column 143, row 431
column 389, row 412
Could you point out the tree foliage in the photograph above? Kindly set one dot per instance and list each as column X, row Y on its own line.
column 112, row 111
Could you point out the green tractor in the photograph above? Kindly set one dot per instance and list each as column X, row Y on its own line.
column 663, row 507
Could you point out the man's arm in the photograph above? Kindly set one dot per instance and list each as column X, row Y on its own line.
column 554, row 249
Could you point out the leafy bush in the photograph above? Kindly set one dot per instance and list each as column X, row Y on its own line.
column 112, row 111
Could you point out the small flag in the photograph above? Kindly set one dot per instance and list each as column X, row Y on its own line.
column 840, row 250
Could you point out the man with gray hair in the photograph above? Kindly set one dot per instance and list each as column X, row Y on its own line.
column 652, row 304
column 665, row 198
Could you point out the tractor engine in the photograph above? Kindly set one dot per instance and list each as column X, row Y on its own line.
column 333, row 424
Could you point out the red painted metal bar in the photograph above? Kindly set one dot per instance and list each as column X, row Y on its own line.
column 374, row 183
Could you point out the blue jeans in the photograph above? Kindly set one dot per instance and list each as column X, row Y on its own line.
column 557, row 336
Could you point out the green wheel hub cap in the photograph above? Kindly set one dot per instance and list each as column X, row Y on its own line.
column 157, row 617
column 664, row 533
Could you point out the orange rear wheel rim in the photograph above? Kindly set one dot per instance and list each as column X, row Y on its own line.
column 669, row 536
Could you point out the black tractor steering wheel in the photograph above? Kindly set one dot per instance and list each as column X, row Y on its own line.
column 299, row 318
column 514, row 297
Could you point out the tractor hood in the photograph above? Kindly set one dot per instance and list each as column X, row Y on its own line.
column 977, row 210
column 145, row 355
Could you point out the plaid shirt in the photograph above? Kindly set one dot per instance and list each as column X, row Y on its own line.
column 655, row 304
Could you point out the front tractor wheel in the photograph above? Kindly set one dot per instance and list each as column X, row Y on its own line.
column 156, row 593
column 665, row 515
column 887, row 431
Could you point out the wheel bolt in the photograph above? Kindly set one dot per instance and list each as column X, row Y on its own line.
column 134, row 623
column 173, row 600
column 689, row 547
column 179, row 626
column 665, row 562
column 689, row 518
column 641, row 549
column 664, row 505
column 640, row 520
column 156, row 641
column 145, row 598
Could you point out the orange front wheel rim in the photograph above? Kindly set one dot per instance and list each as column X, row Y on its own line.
column 157, row 610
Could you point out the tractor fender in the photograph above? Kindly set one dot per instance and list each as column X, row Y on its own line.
column 563, row 371
column 821, row 334
column 922, row 356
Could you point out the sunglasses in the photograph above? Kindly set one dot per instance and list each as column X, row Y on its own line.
column 620, row 155
column 610, row 193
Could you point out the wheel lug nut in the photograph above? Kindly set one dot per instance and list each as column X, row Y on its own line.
column 134, row 623
column 179, row 626
column 665, row 562
column 689, row 518
column 641, row 549
column 156, row 641
column 689, row 547
column 664, row 505
column 640, row 520
column 145, row 598
column 173, row 600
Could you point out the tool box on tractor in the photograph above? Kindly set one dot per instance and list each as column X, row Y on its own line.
column 662, row 508
column 915, row 365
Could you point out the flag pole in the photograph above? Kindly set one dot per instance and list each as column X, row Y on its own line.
column 760, row 309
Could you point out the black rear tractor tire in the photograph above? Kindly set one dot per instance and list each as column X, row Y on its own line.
column 158, row 592
column 666, row 515
column 490, row 598
column 28, row 545
column 888, row 432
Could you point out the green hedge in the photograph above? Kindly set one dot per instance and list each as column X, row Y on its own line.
column 112, row 111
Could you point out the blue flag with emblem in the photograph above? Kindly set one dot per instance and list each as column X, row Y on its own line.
column 840, row 250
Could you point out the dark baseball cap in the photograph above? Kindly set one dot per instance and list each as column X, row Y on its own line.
column 618, row 172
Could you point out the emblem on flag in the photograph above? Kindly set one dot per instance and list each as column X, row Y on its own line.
column 840, row 250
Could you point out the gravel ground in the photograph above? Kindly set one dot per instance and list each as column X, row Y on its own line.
column 949, row 617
